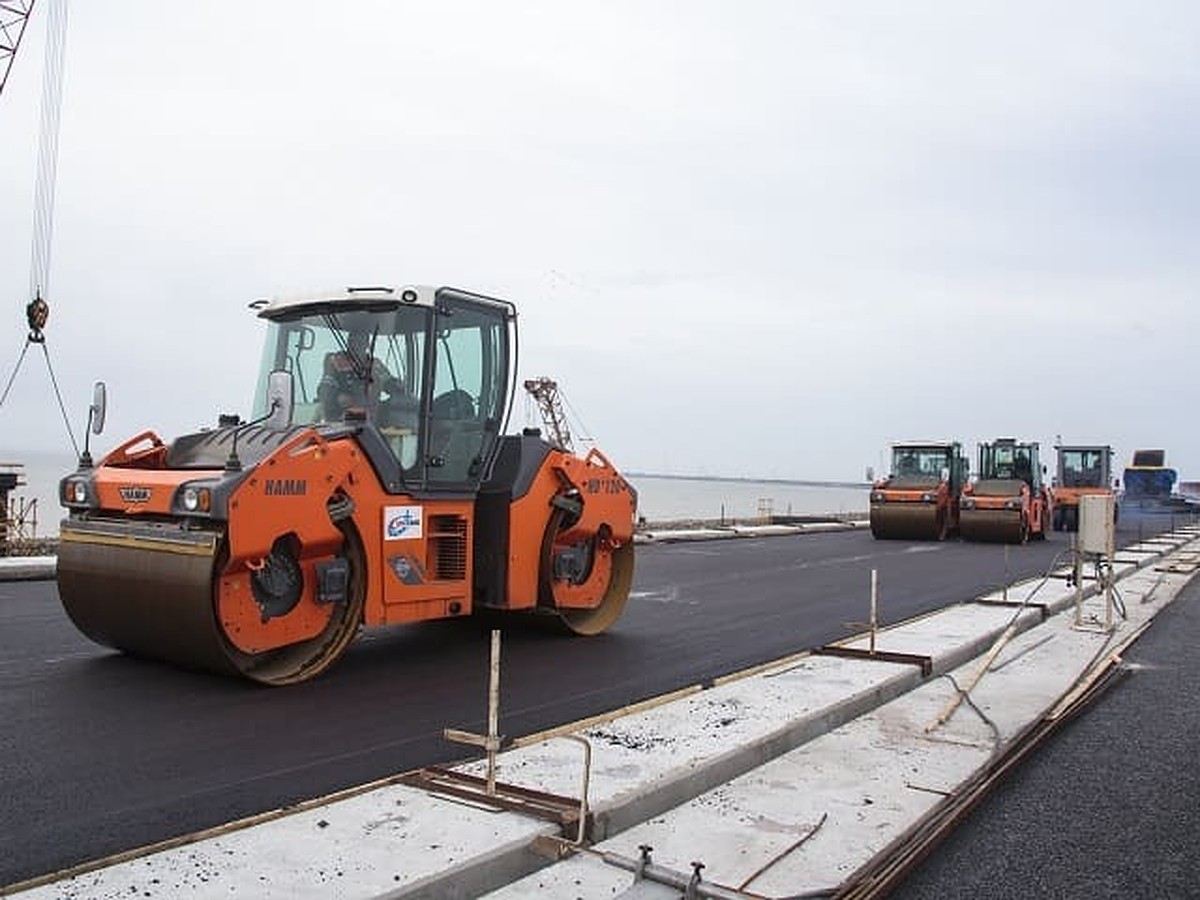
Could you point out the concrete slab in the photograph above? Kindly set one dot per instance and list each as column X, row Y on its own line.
column 810, row 818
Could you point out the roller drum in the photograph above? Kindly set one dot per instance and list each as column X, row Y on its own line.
column 148, row 589
column 144, row 590
column 1002, row 526
column 908, row 521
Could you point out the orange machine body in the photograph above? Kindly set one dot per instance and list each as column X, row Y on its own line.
column 919, row 499
column 1082, row 471
column 1008, row 502
column 262, row 549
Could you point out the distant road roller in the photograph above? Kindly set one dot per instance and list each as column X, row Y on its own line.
column 1009, row 502
column 373, row 485
column 919, row 499
column 1082, row 470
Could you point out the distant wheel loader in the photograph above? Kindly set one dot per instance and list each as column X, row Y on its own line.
column 919, row 499
column 1082, row 470
column 374, row 485
column 1009, row 502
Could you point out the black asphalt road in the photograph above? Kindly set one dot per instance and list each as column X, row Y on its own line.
column 101, row 753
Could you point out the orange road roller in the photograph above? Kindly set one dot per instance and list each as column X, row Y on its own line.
column 374, row 484
column 1009, row 502
column 1082, row 470
column 919, row 499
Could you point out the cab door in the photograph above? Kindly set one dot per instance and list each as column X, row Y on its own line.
column 471, row 382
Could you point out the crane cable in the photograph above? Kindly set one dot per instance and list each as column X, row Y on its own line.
column 47, row 162
column 37, row 312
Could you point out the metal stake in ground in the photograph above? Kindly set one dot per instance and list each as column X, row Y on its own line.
column 872, row 623
column 490, row 741
column 1006, row 573
column 874, row 607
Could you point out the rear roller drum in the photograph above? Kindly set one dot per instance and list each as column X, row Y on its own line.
column 593, row 568
column 306, row 659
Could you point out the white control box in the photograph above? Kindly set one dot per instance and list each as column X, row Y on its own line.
column 1096, row 526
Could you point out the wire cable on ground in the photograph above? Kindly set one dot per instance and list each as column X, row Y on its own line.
column 966, row 696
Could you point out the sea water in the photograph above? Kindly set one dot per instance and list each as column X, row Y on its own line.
column 660, row 499
column 665, row 499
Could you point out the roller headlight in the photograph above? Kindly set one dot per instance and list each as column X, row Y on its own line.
column 74, row 493
column 1014, row 503
column 195, row 498
column 877, row 497
column 929, row 497
column 968, row 503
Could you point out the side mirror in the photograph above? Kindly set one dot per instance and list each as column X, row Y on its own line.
column 98, row 408
column 870, row 474
column 280, row 400
column 945, row 473
column 95, row 423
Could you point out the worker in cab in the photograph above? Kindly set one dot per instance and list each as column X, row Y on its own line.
column 354, row 379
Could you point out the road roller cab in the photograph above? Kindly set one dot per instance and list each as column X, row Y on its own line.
column 372, row 485
column 919, row 499
column 1081, row 471
column 1009, row 500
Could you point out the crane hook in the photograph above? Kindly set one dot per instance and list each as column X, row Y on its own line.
column 37, row 313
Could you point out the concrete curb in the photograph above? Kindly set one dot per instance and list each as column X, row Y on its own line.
column 613, row 818
column 27, row 568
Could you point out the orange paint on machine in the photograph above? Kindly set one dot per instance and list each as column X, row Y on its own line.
column 374, row 484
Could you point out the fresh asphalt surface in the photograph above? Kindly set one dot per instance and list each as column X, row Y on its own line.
column 101, row 753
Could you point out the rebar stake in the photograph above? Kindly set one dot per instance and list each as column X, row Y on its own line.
column 874, row 607
column 490, row 741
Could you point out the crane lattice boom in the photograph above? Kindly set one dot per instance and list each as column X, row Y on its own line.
column 545, row 393
column 13, row 16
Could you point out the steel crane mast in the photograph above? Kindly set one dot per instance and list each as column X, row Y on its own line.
column 14, row 14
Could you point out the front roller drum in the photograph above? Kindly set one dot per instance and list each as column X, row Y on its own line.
column 999, row 526
column 149, row 591
column 908, row 521
column 146, row 591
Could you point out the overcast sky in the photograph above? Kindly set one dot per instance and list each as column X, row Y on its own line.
column 753, row 238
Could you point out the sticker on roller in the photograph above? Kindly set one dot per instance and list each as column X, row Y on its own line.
column 402, row 523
